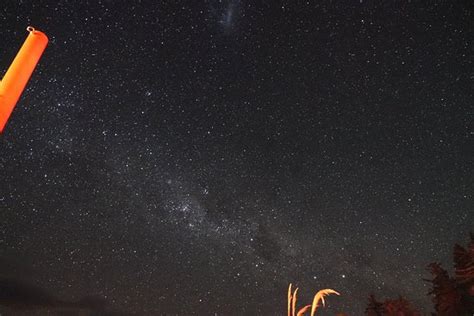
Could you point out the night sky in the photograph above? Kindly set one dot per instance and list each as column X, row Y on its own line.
column 195, row 157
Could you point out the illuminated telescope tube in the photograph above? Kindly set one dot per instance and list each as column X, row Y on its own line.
column 17, row 76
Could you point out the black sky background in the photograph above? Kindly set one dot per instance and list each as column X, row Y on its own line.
column 195, row 157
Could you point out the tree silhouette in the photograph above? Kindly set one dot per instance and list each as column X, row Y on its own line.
column 451, row 296
column 446, row 297
column 398, row 307
column 455, row 296
column 464, row 266
column 464, row 275
column 374, row 308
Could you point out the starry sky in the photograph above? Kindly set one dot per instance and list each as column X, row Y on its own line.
column 196, row 157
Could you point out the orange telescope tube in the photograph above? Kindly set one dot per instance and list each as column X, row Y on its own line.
column 17, row 76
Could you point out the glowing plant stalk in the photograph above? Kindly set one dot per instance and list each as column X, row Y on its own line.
column 293, row 309
column 290, row 298
column 303, row 310
column 319, row 297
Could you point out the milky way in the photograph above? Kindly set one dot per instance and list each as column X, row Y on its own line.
column 195, row 158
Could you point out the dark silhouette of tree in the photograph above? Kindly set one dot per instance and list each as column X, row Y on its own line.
column 451, row 296
column 374, row 307
column 464, row 274
column 455, row 296
column 446, row 297
column 398, row 307
column 464, row 264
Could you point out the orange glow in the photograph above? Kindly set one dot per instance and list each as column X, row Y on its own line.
column 303, row 310
column 293, row 308
column 17, row 76
column 290, row 298
column 319, row 297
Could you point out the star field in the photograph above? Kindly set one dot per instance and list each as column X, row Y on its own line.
column 194, row 158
